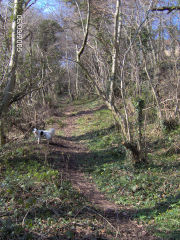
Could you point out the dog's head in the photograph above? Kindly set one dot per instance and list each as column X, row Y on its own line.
column 35, row 131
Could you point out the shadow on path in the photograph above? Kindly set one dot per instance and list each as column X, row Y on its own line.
column 89, row 135
column 87, row 112
column 68, row 156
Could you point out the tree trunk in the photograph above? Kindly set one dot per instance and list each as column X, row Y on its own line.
column 138, row 158
column 155, row 95
column 110, row 89
column 11, row 75
column 2, row 133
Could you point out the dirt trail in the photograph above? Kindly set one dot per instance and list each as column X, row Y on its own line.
column 71, row 151
column 78, row 179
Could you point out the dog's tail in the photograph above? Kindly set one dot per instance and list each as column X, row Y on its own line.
column 52, row 131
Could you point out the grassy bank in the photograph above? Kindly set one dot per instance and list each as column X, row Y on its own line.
column 150, row 193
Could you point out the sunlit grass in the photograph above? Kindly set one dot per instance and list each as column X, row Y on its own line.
column 152, row 191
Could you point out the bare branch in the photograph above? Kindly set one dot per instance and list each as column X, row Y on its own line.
column 26, row 4
column 169, row 9
column 80, row 16
column 80, row 52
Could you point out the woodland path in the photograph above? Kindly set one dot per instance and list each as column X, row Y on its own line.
column 66, row 152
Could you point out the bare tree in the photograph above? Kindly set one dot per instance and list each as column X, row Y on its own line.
column 10, row 76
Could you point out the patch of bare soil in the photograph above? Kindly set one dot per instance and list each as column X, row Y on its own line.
column 66, row 152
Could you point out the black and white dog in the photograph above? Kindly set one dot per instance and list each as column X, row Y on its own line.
column 48, row 134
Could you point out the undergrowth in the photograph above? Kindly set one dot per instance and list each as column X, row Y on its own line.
column 38, row 202
column 151, row 193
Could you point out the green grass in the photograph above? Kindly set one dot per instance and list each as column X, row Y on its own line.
column 36, row 200
column 151, row 192
column 31, row 193
column 88, row 105
column 86, row 102
column 52, row 121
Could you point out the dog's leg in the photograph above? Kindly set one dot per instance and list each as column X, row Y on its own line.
column 38, row 140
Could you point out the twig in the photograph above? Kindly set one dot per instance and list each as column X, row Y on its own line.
column 25, row 217
column 79, row 211
column 81, row 50
column 88, row 208
column 176, row 146
column 102, row 217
